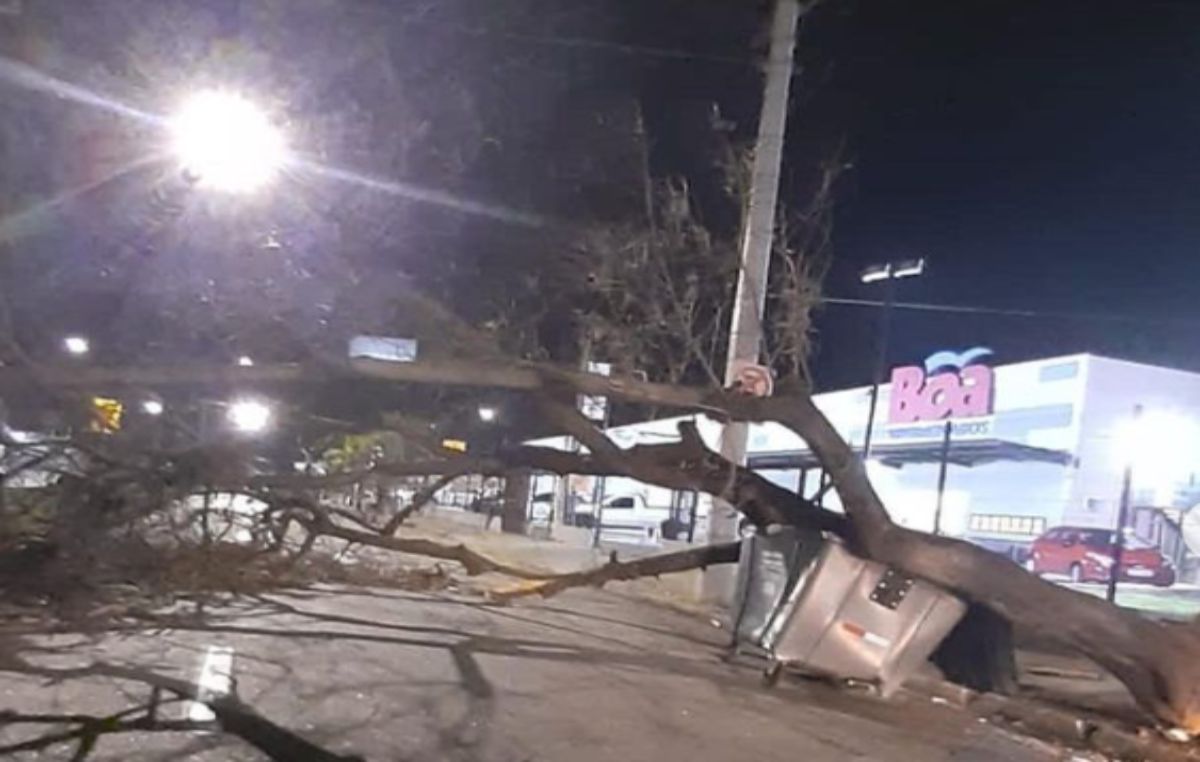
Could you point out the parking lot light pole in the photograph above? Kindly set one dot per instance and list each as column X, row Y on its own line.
column 889, row 272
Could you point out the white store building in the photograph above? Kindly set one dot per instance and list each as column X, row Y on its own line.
column 1049, row 449
column 1033, row 445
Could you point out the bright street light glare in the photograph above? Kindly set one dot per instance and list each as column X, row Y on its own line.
column 77, row 345
column 487, row 414
column 152, row 407
column 876, row 273
column 909, row 268
column 1160, row 445
column 226, row 142
column 249, row 416
column 245, row 361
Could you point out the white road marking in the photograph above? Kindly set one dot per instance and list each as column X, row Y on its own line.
column 215, row 679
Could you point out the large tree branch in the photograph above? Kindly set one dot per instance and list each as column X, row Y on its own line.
column 1159, row 663
column 524, row 376
column 422, row 498
column 685, row 465
column 615, row 571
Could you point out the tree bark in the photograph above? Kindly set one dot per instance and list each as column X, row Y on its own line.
column 649, row 566
column 516, row 500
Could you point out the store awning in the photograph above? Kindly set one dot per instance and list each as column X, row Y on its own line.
column 969, row 453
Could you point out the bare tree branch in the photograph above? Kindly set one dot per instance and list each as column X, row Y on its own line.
column 615, row 571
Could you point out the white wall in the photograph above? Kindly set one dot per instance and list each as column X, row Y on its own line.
column 1113, row 389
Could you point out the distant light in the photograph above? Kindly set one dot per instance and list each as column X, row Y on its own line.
column 876, row 273
column 905, row 268
column 249, row 416
column 226, row 142
column 77, row 345
column 152, row 407
column 245, row 361
column 1160, row 445
column 908, row 268
column 454, row 445
column 487, row 414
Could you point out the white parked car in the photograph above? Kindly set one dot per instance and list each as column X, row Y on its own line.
column 628, row 519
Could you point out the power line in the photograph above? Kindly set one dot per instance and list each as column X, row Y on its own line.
column 978, row 310
column 584, row 43
column 594, row 44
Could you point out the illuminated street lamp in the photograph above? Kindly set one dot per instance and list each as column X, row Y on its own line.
column 1159, row 446
column 77, row 345
column 249, row 416
column 152, row 407
column 245, row 361
column 889, row 272
column 224, row 141
column 487, row 414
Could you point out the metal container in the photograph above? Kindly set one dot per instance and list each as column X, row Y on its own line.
column 768, row 567
column 852, row 618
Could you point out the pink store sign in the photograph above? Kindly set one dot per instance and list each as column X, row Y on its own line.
column 949, row 386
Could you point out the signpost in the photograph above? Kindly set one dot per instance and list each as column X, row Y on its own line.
column 386, row 348
column 753, row 379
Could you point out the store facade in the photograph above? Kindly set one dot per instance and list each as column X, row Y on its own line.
column 1031, row 446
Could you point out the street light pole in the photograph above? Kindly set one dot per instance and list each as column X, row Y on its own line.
column 943, row 462
column 885, row 329
column 889, row 272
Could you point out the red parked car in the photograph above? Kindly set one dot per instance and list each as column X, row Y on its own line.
column 1086, row 555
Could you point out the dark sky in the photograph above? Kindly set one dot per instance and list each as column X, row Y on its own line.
column 1041, row 154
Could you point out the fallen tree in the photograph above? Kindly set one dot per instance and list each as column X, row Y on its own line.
column 1158, row 662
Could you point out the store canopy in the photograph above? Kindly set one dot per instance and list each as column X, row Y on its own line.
column 969, row 453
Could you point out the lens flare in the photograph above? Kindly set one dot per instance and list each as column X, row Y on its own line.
column 226, row 142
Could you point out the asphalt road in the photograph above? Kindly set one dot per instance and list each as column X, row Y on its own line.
column 586, row 676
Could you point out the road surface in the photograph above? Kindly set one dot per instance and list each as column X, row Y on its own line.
column 586, row 676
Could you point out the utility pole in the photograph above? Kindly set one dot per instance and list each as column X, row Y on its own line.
column 745, row 331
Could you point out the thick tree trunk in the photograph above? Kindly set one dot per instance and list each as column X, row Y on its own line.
column 516, row 500
column 1159, row 663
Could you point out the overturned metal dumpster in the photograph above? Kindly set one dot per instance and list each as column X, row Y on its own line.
column 814, row 607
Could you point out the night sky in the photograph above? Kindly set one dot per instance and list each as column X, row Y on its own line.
column 1042, row 155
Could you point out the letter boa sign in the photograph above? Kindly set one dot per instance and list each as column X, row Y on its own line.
column 948, row 387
